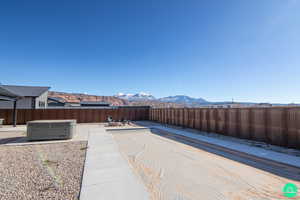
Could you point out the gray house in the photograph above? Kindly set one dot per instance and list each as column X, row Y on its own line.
column 33, row 96
column 60, row 102
column 56, row 102
column 94, row 104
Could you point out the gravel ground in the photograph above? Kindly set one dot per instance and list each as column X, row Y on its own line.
column 41, row 171
column 172, row 170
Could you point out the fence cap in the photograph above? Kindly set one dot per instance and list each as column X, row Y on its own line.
column 54, row 121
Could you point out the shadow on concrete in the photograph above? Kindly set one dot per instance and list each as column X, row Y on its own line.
column 13, row 140
column 279, row 169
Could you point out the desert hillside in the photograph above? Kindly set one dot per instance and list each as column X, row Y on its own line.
column 77, row 97
column 114, row 101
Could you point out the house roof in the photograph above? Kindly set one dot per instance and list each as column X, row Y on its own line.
column 7, row 95
column 57, row 99
column 94, row 103
column 26, row 91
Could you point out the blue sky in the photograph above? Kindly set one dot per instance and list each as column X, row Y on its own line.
column 217, row 49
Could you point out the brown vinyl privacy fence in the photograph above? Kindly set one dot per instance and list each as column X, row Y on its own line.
column 278, row 125
column 81, row 115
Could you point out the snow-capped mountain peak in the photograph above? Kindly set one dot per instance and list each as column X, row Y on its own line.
column 179, row 99
column 143, row 94
column 135, row 97
column 120, row 94
column 183, row 99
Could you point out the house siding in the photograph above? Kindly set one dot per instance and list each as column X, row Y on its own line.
column 25, row 103
column 42, row 98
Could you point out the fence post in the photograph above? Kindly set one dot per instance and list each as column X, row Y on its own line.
column 175, row 115
column 251, row 120
column 188, row 118
column 238, row 122
column 172, row 116
column 169, row 115
column 200, row 119
column 285, row 127
column 179, row 116
column 297, row 142
column 226, row 113
column 152, row 114
column 166, row 110
column 267, row 124
column 216, row 116
column 183, row 124
column 160, row 115
column 194, row 118
column 165, row 116
column 208, row 120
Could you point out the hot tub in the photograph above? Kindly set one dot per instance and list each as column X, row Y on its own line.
column 51, row 129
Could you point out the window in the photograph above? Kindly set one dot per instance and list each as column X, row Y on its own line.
column 41, row 104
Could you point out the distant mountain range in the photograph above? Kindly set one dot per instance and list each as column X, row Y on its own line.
column 78, row 97
column 180, row 100
column 145, row 99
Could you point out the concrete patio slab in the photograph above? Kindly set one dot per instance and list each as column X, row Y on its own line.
column 251, row 150
column 17, row 135
column 107, row 175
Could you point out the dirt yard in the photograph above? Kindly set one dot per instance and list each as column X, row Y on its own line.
column 172, row 170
